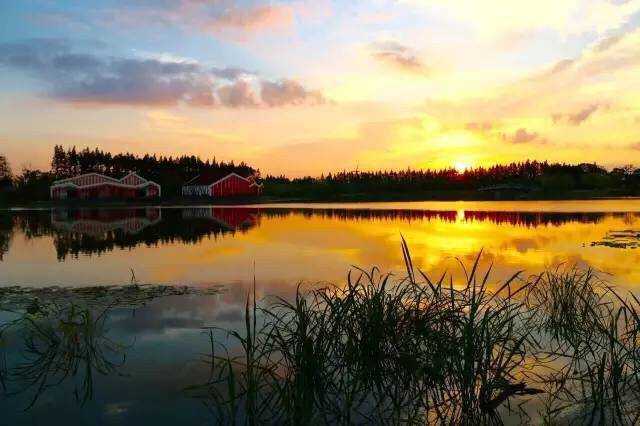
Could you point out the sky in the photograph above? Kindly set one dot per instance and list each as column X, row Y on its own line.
column 299, row 88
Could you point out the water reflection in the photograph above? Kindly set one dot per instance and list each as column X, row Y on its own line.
column 63, row 344
column 95, row 231
column 6, row 232
column 526, row 219
column 162, row 343
column 622, row 239
column 78, row 349
column 201, row 245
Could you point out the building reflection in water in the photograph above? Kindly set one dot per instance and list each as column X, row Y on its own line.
column 94, row 231
column 102, row 221
column 230, row 218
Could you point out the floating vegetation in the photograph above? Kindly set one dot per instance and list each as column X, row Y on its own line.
column 625, row 239
column 562, row 347
column 34, row 300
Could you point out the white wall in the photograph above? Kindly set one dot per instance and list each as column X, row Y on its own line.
column 195, row 190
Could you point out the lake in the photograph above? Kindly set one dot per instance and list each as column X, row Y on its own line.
column 311, row 243
column 161, row 343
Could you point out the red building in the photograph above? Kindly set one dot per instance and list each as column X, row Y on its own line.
column 95, row 185
column 221, row 184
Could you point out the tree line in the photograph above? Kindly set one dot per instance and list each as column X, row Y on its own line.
column 169, row 172
column 523, row 176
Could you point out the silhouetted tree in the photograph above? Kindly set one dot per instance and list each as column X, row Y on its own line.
column 5, row 169
column 170, row 172
column 6, row 179
column 526, row 175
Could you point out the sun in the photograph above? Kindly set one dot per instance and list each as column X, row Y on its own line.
column 461, row 166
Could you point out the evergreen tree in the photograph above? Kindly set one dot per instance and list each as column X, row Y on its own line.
column 5, row 170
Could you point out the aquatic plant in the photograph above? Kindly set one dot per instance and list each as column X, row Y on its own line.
column 593, row 338
column 408, row 350
column 134, row 295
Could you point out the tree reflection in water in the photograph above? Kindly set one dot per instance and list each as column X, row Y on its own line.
column 6, row 232
column 95, row 231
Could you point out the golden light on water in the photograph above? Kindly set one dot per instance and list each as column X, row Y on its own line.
column 295, row 247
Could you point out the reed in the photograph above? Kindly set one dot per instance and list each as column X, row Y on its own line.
column 560, row 347
column 383, row 349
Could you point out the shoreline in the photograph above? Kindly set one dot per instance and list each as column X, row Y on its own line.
column 444, row 196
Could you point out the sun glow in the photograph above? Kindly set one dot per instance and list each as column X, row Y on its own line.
column 461, row 166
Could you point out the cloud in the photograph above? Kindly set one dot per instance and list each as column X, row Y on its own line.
column 564, row 17
column 561, row 66
column 253, row 18
column 230, row 73
column 398, row 56
column 595, row 82
column 484, row 126
column 288, row 92
column 30, row 55
column 617, row 53
column 88, row 78
column 238, row 94
column 230, row 314
column 607, row 42
column 634, row 146
column 238, row 20
column 522, row 136
column 577, row 118
column 490, row 130
column 394, row 143
column 581, row 116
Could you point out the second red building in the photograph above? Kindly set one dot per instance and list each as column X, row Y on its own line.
column 221, row 184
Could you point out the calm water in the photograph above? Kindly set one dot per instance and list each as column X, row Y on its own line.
column 162, row 343
column 211, row 245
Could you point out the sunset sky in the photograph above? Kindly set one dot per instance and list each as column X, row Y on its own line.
column 308, row 87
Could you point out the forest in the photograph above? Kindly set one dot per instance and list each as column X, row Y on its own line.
column 169, row 172
column 532, row 179
column 526, row 179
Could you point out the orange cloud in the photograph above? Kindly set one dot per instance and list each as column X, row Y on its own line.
column 398, row 56
column 253, row 18
column 579, row 117
column 522, row 136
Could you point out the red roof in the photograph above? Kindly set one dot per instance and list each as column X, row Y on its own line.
column 211, row 177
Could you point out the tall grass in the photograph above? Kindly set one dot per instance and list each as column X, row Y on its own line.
column 593, row 337
column 382, row 349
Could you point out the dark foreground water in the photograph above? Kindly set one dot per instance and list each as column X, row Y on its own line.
column 133, row 363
